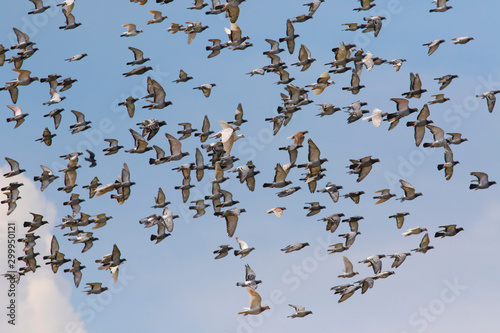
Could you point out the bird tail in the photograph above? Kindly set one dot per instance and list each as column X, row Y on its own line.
column 267, row 185
column 282, row 39
column 439, row 234
column 27, row 224
column 46, row 257
column 218, row 213
column 427, row 144
column 153, row 237
column 440, row 166
column 236, row 252
column 473, row 186
column 410, row 123
column 152, row 161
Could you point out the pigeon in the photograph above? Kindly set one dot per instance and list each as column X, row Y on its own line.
column 400, row 218
column 46, row 178
column 305, row 59
column 449, row 231
column 439, row 140
column 449, row 163
column 366, row 284
column 200, row 206
column 482, row 181
column 183, row 77
column 46, row 137
column 300, row 311
column 433, row 46
column 337, row 248
column 397, row 63
column 277, row 122
column 131, row 30
column 222, row 251
column 92, row 187
column 348, row 269
column 206, row 89
column 489, row 95
column 215, row 48
column 279, row 178
column 364, row 166
column 56, row 115
column 332, row 190
column 54, row 98
column 186, row 132
column 420, row 124
column 314, row 208
column 365, row 5
column 350, row 237
column 404, row 110
column 231, row 216
column 399, row 258
column 244, row 249
column 74, row 202
column 234, row 34
column 175, row 27
column 288, row 191
column 18, row 115
column 347, row 292
column 157, row 17
column 290, row 36
column 327, row 109
column 36, row 223
column 333, row 221
column 192, row 29
column 456, row 139
column 255, row 306
column 39, row 7
column 321, row 83
column 138, row 56
column 81, row 124
column 95, row 288
column 76, row 269
column 439, row 98
column 354, row 222
column 198, row 4
column 385, row 195
column 77, row 57
column 140, row 144
column 355, row 196
column 66, row 83
column 275, row 47
column 440, row 6
column 415, row 87
column 138, row 71
column 250, row 280
column 294, row 247
column 461, row 40
column 414, row 231
column 424, row 245
column 375, row 262
column 278, row 211
column 409, row 191
column 70, row 20
column 374, row 24
column 376, row 117
column 14, row 168
column 445, row 80
column 91, row 159
column 355, row 86
column 205, row 130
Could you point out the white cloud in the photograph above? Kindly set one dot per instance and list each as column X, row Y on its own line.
column 42, row 298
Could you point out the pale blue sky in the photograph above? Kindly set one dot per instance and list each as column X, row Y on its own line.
column 177, row 285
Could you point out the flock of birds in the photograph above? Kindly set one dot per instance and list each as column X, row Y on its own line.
column 219, row 146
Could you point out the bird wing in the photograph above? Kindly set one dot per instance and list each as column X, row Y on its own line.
column 175, row 145
column 138, row 54
column 255, row 298
column 314, row 152
column 231, row 224
column 348, row 268
column 280, row 175
column 437, row 132
column 243, row 245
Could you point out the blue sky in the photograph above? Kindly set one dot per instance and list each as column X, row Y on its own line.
column 177, row 284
